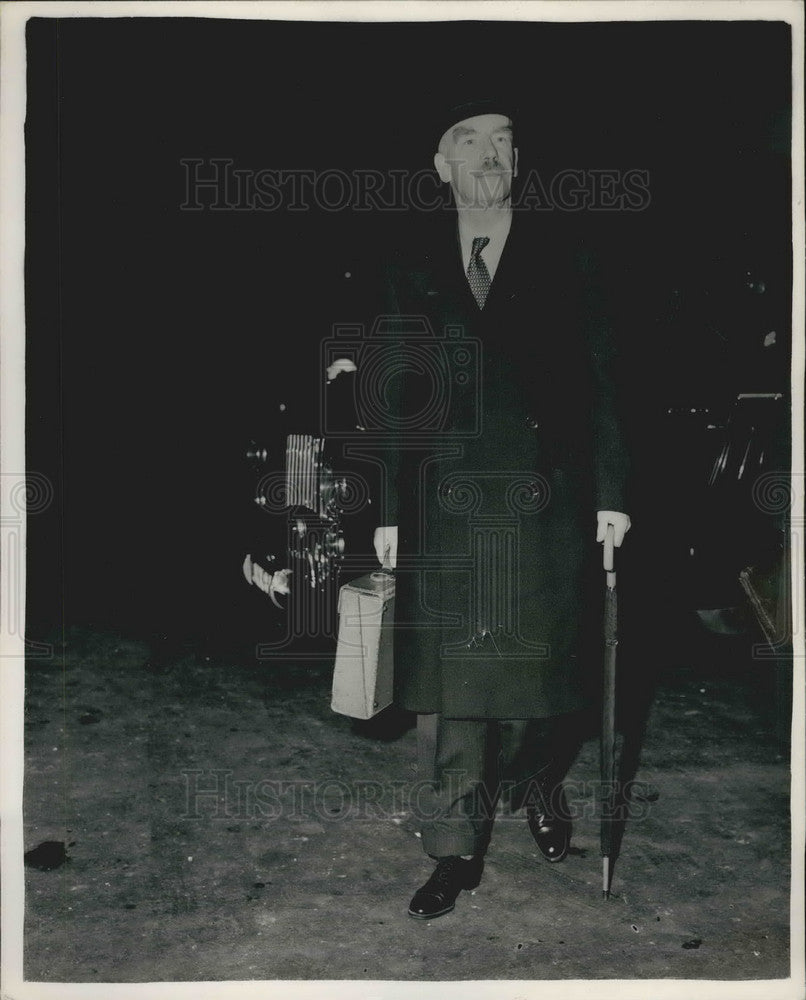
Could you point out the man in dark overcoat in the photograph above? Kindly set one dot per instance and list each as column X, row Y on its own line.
column 506, row 463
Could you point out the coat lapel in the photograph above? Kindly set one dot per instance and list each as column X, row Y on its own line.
column 521, row 274
column 445, row 284
column 519, row 270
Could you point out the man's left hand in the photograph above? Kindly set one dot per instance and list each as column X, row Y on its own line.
column 621, row 524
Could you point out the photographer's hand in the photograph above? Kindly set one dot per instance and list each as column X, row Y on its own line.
column 339, row 366
column 385, row 544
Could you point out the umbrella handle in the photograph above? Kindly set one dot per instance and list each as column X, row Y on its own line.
column 608, row 550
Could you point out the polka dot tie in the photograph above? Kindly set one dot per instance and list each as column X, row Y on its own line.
column 477, row 273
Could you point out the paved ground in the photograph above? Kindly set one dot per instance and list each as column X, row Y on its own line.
column 298, row 852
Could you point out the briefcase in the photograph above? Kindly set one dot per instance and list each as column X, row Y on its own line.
column 362, row 676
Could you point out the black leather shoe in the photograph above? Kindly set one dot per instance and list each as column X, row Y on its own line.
column 550, row 823
column 439, row 893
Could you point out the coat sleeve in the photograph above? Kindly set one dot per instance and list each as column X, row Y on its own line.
column 610, row 455
column 390, row 390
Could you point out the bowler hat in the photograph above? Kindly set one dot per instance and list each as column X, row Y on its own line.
column 456, row 111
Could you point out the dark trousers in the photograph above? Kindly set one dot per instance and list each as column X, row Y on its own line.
column 476, row 762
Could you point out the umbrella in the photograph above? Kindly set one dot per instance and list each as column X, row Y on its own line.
column 608, row 745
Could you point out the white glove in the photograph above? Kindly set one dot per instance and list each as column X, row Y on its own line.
column 385, row 542
column 621, row 523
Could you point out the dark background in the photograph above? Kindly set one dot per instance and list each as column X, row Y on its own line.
column 159, row 341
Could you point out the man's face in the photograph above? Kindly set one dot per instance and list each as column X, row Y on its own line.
column 478, row 158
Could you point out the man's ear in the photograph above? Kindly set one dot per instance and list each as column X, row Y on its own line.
column 442, row 167
column 515, row 163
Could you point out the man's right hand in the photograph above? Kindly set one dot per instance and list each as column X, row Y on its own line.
column 385, row 542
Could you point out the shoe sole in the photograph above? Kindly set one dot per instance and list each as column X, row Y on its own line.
column 430, row 916
column 551, row 858
column 554, row 858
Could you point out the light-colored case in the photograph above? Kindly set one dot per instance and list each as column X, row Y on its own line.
column 363, row 673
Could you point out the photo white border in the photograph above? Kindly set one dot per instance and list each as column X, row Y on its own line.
column 13, row 17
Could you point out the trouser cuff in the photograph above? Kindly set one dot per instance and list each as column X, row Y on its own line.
column 446, row 843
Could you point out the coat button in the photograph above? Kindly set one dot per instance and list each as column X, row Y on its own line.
column 532, row 424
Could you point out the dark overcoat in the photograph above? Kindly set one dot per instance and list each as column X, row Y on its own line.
column 505, row 442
